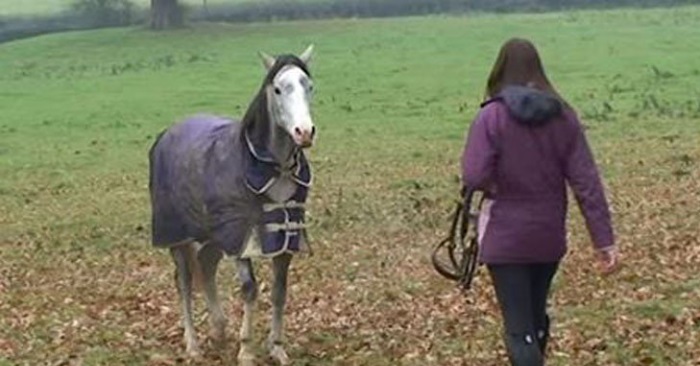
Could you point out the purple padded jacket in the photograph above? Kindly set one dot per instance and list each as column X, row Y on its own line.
column 521, row 150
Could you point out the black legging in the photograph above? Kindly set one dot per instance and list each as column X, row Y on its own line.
column 522, row 291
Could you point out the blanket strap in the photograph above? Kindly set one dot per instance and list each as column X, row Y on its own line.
column 287, row 226
column 268, row 207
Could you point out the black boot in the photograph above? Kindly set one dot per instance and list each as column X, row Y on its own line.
column 523, row 350
column 543, row 336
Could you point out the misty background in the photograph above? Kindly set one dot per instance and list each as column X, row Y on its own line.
column 26, row 18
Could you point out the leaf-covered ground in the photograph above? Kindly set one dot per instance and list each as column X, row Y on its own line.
column 80, row 284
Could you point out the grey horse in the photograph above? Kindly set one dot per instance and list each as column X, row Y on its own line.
column 237, row 188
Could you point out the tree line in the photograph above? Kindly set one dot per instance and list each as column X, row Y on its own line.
column 163, row 14
column 314, row 9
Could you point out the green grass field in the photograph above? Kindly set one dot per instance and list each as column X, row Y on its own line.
column 79, row 281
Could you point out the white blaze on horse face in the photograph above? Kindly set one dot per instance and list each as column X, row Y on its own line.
column 291, row 96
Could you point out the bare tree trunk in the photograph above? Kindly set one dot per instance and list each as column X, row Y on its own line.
column 165, row 14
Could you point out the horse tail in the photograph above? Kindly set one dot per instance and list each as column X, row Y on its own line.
column 151, row 159
column 194, row 266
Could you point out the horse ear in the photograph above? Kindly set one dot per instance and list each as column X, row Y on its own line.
column 307, row 54
column 268, row 61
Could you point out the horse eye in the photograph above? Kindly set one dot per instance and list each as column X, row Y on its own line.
column 278, row 91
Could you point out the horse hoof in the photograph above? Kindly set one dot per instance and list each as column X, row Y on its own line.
column 217, row 336
column 194, row 353
column 278, row 354
column 246, row 359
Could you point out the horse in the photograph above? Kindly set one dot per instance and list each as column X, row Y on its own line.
column 237, row 188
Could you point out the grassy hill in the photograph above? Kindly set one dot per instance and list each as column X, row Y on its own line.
column 79, row 279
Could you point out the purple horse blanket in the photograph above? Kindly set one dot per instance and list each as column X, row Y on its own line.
column 208, row 184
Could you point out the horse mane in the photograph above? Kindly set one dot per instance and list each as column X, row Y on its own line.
column 257, row 110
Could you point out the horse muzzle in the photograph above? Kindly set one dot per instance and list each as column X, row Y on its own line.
column 304, row 138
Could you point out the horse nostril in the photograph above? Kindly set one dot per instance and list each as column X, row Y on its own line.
column 313, row 131
column 297, row 131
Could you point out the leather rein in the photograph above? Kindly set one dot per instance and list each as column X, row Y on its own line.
column 462, row 247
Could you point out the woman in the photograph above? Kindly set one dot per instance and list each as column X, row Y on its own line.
column 524, row 146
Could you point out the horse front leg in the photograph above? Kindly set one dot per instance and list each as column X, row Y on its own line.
column 280, row 268
column 249, row 289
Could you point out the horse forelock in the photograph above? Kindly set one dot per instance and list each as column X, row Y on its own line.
column 283, row 61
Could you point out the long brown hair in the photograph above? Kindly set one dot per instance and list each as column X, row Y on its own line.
column 518, row 63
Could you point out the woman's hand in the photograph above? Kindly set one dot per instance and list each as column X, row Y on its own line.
column 608, row 260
